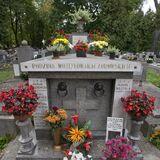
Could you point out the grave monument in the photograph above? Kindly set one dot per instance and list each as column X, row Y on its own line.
column 91, row 87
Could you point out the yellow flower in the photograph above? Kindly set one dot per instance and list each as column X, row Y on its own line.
column 76, row 135
column 60, row 40
column 62, row 113
column 52, row 119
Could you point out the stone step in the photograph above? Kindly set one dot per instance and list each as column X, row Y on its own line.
column 44, row 151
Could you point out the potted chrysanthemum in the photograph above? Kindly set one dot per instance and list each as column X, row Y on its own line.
column 59, row 47
column 97, row 47
column 112, row 51
column 81, row 49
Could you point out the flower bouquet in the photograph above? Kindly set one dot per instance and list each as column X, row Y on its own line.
column 138, row 105
column 81, row 48
column 97, row 47
column 56, row 118
column 77, row 155
column 20, row 102
column 118, row 149
column 155, row 138
column 77, row 136
column 59, row 46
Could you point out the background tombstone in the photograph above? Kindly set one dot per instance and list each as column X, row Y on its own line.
column 24, row 52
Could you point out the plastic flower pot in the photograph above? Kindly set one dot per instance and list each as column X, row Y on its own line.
column 56, row 55
column 112, row 55
column 96, row 53
column 81, row 54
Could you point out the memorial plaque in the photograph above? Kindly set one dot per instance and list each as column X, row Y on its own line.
column 40, row 85
column 79, row 37
column 16, row 69
column 114, row 127
column 123, row 85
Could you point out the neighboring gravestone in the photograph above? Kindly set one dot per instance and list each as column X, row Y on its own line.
column 91, row 87
column 3, row 56
column 24, row 52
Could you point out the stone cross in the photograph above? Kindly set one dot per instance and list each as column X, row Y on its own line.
column 82, row 103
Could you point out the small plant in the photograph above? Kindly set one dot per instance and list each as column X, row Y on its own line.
column 55, row 117
column 155, row 138
column 118, row 149
column 138, row 105
column 111, row 50
column 24, row 76
column 82, row 15
column 4, row 140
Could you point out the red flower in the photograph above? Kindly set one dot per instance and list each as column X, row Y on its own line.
column 75, row 119
column 89, row 134
column 87, row 146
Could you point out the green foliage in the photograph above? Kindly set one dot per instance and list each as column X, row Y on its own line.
column 153, row 77
column 5, row 75
column 4, row 140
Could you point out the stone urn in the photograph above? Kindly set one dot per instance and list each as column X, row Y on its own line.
column 57, row 139
column 80, row 26
column 134, row 133
column 27, row 146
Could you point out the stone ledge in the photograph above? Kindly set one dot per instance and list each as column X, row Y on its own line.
column 44, row 151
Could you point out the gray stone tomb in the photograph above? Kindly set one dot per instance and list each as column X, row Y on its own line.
column 91, row 87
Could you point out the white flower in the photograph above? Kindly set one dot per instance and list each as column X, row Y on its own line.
column 65, row 158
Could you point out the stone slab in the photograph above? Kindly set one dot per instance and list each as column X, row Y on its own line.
column 44, row 151
column 70, row 63
column 7, row 125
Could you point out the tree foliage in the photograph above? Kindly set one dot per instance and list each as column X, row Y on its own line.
column 34, row 20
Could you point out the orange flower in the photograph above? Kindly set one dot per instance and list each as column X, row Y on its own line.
column 52, row 119
column 62, row 113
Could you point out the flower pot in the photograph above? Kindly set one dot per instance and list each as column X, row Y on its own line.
column 62, row 53
column 112, row 55
column 57, row 138
column 56, row 55
column 21, row 118
column 81, row 54
column 96, row 53
column 134, row 133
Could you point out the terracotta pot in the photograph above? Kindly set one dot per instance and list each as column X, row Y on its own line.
column 57, row 138
column 21, row 118
column 56, row 55
column 81, row 54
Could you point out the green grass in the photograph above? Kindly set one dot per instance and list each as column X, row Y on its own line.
column 153, row 77
column 6, row 74
column 4, row 140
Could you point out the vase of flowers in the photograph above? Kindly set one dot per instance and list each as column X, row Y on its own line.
column 81, row 49
column 59, row 47
column 97, row 47
column 112, row 52
column 78, row 136
column 118, row 149
column 21, row 103
column 80, row 17
column 56, row 118
column 138, row 106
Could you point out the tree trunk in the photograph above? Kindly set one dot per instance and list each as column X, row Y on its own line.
column 156, row 4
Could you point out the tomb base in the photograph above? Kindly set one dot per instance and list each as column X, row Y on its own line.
column 44, row 151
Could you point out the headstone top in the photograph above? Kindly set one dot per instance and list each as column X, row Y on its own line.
column 24, row 43
column 70, row 63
